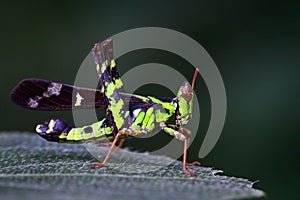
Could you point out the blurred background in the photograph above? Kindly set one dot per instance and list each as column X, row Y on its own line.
column 255, row 45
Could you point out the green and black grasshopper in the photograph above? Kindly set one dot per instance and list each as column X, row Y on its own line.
column 127, row 115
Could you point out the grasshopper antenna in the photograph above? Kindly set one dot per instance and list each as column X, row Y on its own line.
column 194, row 78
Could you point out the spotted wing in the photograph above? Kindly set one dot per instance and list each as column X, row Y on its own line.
column 38, row 94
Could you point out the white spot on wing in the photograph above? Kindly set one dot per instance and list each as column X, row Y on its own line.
column 53, row 89
column 78, row 99
column 34, row 102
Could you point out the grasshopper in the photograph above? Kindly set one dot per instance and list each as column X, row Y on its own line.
column 127, row 115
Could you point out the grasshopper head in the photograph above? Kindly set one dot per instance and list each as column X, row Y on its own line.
column 185, row 98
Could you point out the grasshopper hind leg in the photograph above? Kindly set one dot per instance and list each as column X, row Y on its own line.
column 99, row 165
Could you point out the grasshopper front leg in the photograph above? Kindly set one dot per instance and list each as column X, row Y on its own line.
column 184, row 136
column 188, row 135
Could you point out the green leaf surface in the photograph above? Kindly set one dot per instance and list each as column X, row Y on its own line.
column 32, row 168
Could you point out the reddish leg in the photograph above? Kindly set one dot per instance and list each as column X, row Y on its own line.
column 119, row 145
column 188, row 135
column 193, row 163
column 182, row 137
column 98, row 165
column 184, row 159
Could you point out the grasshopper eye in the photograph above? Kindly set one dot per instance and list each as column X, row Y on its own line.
column 187, row 92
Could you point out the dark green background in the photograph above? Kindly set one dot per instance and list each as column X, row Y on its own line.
column 255, row 44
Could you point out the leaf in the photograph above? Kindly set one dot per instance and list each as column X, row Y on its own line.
column 32, row 168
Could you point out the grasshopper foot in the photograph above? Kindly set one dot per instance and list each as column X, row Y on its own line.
column 192, row 174
column 97, row 165
column 196, row 163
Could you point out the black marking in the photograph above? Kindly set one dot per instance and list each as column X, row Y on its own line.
column 116, row 96
column 59, row 127
column 105, row 78
column 88, row 130
column 167, row 111
column 104, row 125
